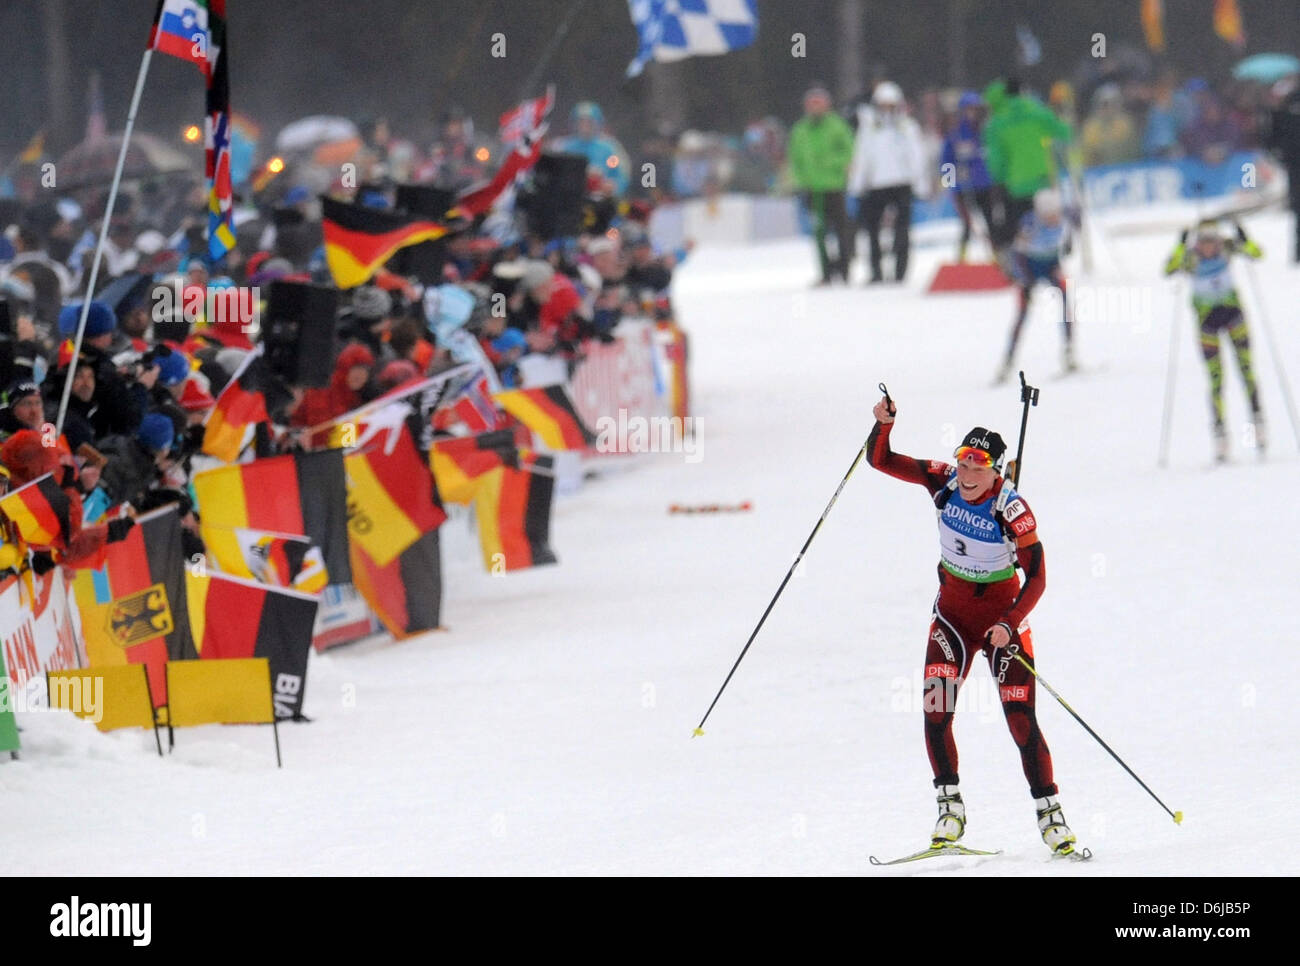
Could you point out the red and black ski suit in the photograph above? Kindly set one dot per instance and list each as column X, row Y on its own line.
column 964, row 611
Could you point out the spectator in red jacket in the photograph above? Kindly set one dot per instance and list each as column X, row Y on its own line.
column 27, row 458
column 348, row 389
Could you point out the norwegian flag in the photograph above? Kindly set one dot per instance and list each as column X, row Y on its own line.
column 470, row 404
column 519, row 122
column 531, row 121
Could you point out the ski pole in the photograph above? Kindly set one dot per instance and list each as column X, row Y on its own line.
column 1171, row 375
column 1272, row 349
column 1028, row 396
column 1177, row 816
column 699, row 729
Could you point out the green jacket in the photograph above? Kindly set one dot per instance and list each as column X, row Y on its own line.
column 821, row 149
column 1018, row 141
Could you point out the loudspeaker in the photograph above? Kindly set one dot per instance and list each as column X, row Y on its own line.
column 425, row 200
column 554, row 205
column 425, row 260
column 298, row 332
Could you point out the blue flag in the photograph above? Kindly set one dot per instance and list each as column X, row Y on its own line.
column 676, row 29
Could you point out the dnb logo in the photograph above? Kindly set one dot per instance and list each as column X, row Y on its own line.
column 940, row 671
column 1019, row 692
column 139, row 617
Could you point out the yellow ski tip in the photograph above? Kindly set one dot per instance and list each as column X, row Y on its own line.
column 697, row 733
column 1178, row 818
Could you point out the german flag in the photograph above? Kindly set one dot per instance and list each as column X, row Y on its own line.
column 133, row 609
column 240, row 618
column 39, row 510
column 358, row 240
column 548, row 411
column 241, row 405
column 393, row 517
column 392, row 501
column 511, row 489
column 296, row 493
column 278, row 559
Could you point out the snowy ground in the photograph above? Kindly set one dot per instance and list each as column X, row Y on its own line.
column 549, row 731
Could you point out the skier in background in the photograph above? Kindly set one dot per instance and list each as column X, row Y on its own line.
column 1042, row 239
column 986, row 529
column 821, row 148
column 1018, row 138
column 963, row 148
column 1218, row 310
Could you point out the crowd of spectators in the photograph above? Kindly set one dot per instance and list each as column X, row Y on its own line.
column 166, row 330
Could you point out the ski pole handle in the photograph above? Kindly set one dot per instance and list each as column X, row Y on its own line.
column 888, row 401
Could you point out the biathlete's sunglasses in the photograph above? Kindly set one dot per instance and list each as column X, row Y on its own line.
column 974, row 454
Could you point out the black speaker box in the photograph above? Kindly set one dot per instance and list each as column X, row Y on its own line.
column 298, row 332
column 554, row 205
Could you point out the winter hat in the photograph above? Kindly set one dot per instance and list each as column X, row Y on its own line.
column 173, row 368
column 1208, row 231
column 26, row 457
column 1047, row 202
column 195, row 396
column 970, row 99
column 99, row 321
column 150, row 242
column 508, row 340
column 371, row 303
column 588, row 111
column 156, row 432
column 397, row 372
column 536, row 272
column 22, row 390
column 986, row 440
column 887, row 93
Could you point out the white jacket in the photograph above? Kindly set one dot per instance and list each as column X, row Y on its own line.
column 889, row 151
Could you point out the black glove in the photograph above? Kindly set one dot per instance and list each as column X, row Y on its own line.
column 42, row 562
column 1241, row 232
column 119, row 528
column 1182, row 239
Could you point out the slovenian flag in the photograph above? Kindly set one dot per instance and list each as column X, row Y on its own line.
column 180, row 28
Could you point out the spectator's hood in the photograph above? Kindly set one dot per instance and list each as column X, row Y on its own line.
column 995, row 96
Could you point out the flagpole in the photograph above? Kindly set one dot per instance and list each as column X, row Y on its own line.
column 103, row 237
column 388, row 398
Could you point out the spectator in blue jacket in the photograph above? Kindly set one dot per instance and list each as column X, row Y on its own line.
column 603, row 152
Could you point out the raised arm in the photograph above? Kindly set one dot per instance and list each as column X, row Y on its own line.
column 929, row 474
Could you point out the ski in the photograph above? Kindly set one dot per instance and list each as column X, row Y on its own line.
column 931, row 852
column 1074, row 855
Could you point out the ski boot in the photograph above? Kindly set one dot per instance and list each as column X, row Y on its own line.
column 1051, row 823
column 1261, row 434
column 952, row 817
column 1004, row 372
column 1068, row 360
column 1220, row 443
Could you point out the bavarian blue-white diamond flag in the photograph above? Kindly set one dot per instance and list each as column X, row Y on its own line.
column 676, row 29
